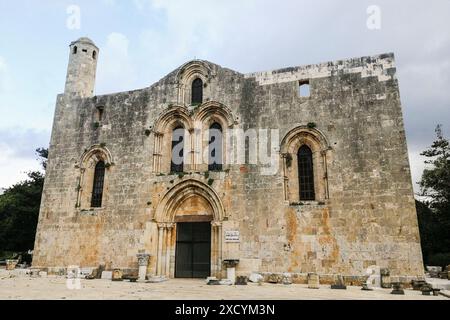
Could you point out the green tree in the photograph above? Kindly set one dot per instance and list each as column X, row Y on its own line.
column 19, row 210
column 435, row 186
column 427, row 226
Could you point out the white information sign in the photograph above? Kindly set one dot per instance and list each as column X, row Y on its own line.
column 232, row 236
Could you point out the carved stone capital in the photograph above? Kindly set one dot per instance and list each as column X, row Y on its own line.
column 216, row 224
column 166, row 225
column 143, row 259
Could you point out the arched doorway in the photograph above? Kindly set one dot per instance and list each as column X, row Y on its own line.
column 193, row 219
column 189, row 220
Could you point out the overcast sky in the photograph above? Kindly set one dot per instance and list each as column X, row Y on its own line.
column 143, row 40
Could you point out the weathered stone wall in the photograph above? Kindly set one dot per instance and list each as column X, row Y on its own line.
column 366, row 215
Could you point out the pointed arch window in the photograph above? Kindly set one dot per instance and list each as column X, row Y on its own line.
column 197, row 91
column 306, row 174
column 177, row 155
column 215, row 147
column 99, row 179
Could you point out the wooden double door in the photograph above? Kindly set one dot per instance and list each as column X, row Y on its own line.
column 193, row 250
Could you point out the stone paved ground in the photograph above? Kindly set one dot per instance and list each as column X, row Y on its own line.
column 54, row 288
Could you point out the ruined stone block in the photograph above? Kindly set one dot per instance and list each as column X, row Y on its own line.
column 313, row 281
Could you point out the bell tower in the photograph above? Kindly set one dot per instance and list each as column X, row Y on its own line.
column 81, row 72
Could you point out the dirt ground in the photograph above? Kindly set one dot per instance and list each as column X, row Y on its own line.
column 14, row 287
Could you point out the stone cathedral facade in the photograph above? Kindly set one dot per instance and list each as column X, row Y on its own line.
column 339, row 200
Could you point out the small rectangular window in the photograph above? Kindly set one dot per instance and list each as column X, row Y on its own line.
column 100, row 113
column 304, row 89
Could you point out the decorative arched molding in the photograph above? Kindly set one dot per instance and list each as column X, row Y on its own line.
column 172, row 117
column 204, row 116
column 312, row 134
column 87, row 164
column 212, row 111
column 187, row 74
column 162, row 131
column 192, row 70
column 98, row 152
column 319, row 145
column 166, row 221
column 167, row 207
column 196, row 123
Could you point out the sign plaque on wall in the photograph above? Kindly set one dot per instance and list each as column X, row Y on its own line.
column 232, row 236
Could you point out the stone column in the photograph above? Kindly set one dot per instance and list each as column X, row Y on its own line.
column 219, row 248
column 231, row 269
column 143, row 259
column 285, row 178
column 192, row 161
column 80, row 186
column 157, row 152
column 325, row 174
column 160, row 249
column 169, row 229
column 213, row 251
column 163, row 250
column 216, row 250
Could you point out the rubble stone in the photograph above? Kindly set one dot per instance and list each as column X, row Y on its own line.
column 313, row 281
column 255, row 278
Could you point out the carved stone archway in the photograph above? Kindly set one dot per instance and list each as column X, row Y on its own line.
column 320, row 147
column 166, row 219
column 188, row 73
column 86, row 167
column 196, row 124
column 162, row 131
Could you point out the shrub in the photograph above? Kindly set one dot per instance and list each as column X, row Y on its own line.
column 312, row 125
column 439, row 259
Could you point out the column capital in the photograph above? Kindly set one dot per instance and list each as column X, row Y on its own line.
column 143, row 259
column 216, row 223
column 166, row 225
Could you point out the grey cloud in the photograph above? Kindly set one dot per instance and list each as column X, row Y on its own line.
column 257, row 35
column 24, row 142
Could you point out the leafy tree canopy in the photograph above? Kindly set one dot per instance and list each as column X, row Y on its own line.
column 19, row 210
column 434, row 214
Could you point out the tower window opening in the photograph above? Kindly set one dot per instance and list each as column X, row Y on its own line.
column 84, row 50
column 304, row 89
column 94, row 55
column 75, row 50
